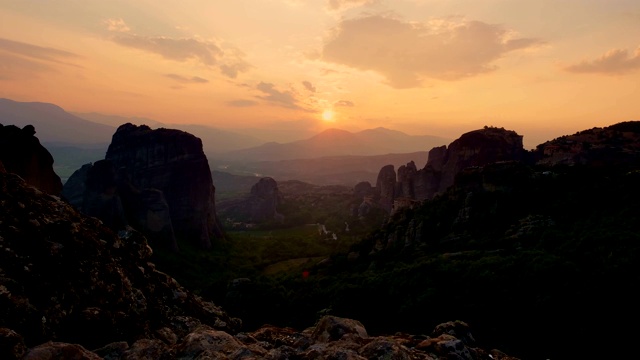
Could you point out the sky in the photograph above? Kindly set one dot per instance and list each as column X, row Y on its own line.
column 293, row 68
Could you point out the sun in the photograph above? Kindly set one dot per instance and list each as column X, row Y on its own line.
column 327, row 115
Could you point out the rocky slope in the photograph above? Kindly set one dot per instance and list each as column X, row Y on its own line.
column 72, row 289
column 618, row 143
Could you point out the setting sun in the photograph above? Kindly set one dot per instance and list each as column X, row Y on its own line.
column 327, row 115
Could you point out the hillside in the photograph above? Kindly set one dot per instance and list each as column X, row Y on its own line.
column 54, row 125
column 335, row 142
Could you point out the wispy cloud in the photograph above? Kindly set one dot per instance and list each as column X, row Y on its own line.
column 408, row 52
column 37, row 52
column 228, row 60
column 613, row 62
column 242, row 103
column 277, row 97
column 344, row 103
column 178, row 49
column 19, row 60
column 187, row 80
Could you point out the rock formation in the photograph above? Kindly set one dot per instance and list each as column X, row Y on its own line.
column 70, row 288
column 98, row 190
column 259, row 206
column 22, row 154
column 386, row 186
column 475, row 148
column 266, row 199
column 615, row 144
column 173, row 162
column 162, row 179
column 362, row 189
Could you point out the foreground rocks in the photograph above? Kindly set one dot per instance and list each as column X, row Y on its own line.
column 331, row 338
column 67, row 277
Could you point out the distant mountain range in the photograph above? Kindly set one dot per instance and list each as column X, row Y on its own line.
column 328, row 170
column 214, row 140
column 335, row 142
column 339, row 156
column 54, row 125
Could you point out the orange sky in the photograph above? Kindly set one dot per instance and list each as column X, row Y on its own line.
column 442, row 67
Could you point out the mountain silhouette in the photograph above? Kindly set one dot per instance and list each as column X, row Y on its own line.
column 336, row 142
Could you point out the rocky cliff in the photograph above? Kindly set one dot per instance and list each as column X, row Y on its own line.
column 615, row 144
column 475, row 148
column 162, row 181
column 173, row 162
column 22, row 154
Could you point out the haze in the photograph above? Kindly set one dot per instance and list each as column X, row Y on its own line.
column 295, row 67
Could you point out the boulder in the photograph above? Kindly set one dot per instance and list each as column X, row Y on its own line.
column 22, row 154
column 333, row 328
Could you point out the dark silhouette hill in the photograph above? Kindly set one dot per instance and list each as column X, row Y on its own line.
column 214, row 140
column 335, row 142
column 532, row 244
column 55, row 126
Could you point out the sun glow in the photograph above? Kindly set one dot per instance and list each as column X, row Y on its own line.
column 327, row 115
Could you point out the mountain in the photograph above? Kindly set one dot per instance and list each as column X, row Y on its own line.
column 329, row 170
column 335, row 142
column 213, row 139
column 55, row 126
column 115, row 120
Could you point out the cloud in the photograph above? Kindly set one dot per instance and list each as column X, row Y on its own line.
column 613, row 62
column 345, row 4
column 307, row 85
column 19, row 60
column 344, row 103
column 274, row 96
column 242, row 103
column 116, row 25
column 37, row 52
column 178, row 49
column 186, row 80
column 18, row 68
column 407, row 52
column 229, row 61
